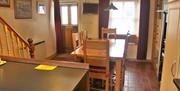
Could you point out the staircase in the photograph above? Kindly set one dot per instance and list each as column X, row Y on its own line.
column 12, row 44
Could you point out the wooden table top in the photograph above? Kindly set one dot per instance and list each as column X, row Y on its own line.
column 16, row 76
column 116, row 50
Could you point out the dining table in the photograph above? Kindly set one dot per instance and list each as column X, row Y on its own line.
column 117, row 54
column 20, row 75
column 117, row 49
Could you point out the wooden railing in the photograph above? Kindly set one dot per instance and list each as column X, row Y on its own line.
column 12, row 44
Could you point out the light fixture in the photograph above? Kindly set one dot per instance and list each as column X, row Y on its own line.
column 111, row 7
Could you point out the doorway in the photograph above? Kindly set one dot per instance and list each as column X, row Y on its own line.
column 69, row 20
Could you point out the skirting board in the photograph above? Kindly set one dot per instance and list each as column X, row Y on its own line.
column 52, row 56
column 136, row 60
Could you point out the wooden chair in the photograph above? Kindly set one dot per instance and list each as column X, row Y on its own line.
column 132, row 39
column 108, row 31
column 75, row 45
column 99, row 64
column 77, row 41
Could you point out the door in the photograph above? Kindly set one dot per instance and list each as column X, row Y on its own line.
column 69, row 18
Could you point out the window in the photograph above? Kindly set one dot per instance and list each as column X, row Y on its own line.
column 64, row 15
column 74, row 15
column 69, row 14
column 125, row 18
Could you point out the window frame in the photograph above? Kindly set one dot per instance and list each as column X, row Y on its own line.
column 69, row 13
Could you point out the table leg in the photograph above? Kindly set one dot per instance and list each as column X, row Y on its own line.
column 118, row 75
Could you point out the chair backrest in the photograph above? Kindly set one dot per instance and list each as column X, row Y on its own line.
column 78, row 38
column 100, row 51
column 107, row 30
column 82, row 37
column 75, row 40
column 132, row 39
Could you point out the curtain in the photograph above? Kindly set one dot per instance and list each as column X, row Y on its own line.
column 143, row 30
column 103, row 15
column 58, row 29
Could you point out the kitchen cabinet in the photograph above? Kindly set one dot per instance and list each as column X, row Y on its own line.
column 172, row 49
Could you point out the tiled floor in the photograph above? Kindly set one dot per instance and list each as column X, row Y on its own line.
column 139, row 76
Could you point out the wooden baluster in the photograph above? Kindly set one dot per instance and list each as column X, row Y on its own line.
column 7, row 39
column 13, row 47
column 22, row 45
column 18, row 46
column 1, row 47
column 31, row 47
column 27, row 52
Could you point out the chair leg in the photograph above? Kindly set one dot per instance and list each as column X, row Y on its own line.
column 110, row 81
column 88, row 83
column 108, row 36
column 107, row 84
column 102, row 84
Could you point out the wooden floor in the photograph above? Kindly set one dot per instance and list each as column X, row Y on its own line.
column 139, row 76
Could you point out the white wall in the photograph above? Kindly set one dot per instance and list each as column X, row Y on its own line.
column 38, row 28
column 90, row 22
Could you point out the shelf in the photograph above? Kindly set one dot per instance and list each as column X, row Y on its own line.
column 177, row 83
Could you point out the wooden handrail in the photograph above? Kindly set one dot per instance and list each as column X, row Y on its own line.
column 4, row 22
column 14, row 44
column 38, row 43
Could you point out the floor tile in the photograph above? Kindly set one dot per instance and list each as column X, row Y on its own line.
column 140, row 76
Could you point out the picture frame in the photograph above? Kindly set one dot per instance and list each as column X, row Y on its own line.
column 4, row 3
column 23, row 9
column 41, row 7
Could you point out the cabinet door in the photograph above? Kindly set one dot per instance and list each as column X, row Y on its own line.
column 178, row 62
column 171, row 50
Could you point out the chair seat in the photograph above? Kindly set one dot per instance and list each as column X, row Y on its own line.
column 96, row 58
column 97, row 63
column 97, row 70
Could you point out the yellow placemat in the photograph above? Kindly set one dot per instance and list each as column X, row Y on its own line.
column 45, row 67
column 2, row 62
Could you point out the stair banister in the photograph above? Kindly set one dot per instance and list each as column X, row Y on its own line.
column 16, row 46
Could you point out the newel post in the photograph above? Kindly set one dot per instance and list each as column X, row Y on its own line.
column 31, row 47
